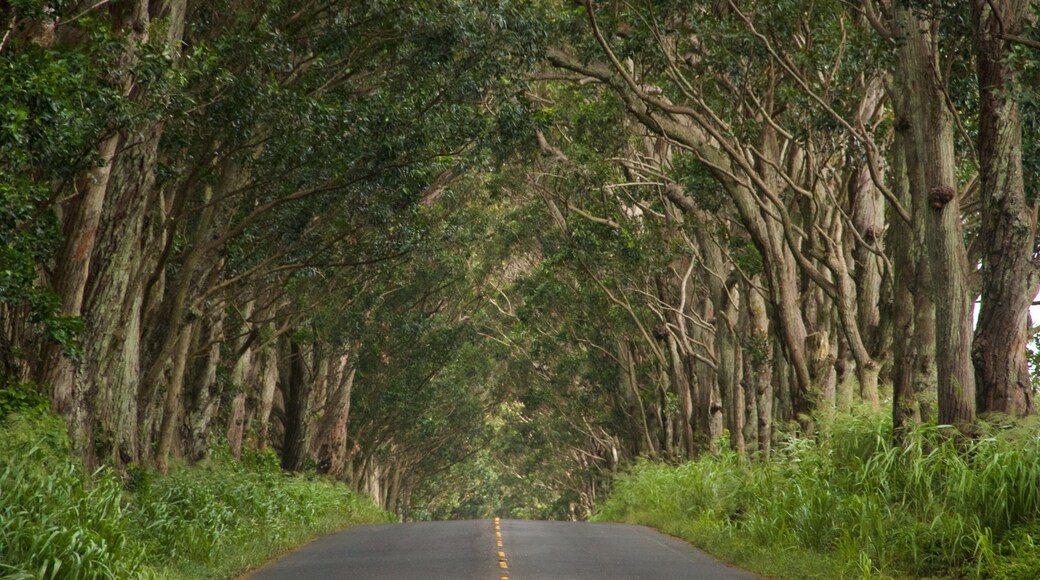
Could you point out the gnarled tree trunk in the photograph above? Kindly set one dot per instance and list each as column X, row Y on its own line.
column 1008, row 232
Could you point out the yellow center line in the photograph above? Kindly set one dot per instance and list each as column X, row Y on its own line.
column 501, row 554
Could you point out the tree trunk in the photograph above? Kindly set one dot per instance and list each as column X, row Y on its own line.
column 297, row 404
column 331, row 437
column 630, row 383
column 113, row 330
column 868, row 218
column 79, row 229
column 73, row 397
column 730, row 367
column 243, row 379
column 173, row 405
column 236, row 424
column 1008, row 230
column 709, row 400
column 207, row 391
column 906, row 410
column 820, row 343
column 933, row 180
column 681, row 383
column 759, row 361
column 268, row 386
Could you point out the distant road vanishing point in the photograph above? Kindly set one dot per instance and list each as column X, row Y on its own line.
column 498, row 550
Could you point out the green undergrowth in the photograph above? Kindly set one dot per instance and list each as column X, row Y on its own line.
column 852, row 505
column 209, row 521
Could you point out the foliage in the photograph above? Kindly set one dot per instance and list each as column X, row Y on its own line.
column 57, row 105
column 213, row 516
column 522, row 472
column 56, row 521
column 932, row 508
column 23, row 398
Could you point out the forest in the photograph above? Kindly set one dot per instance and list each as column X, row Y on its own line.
column 560, row 259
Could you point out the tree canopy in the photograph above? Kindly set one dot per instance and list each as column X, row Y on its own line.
column 472, row 257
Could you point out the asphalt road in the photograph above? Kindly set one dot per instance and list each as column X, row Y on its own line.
column 489, row 550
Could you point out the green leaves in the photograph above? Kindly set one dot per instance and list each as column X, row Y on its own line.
column 55, row 521
column 923, row 510
column 57, row 105
column 22, row 398
column 58, row 522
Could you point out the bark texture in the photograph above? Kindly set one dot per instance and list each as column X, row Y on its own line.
column 1008, row 233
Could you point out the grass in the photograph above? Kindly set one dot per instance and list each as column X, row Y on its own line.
column 211, row 521
column 852, row 505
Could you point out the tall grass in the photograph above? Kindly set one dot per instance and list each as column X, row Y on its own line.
column 853, row 505
column 211, row 521
column 221, row 518
column 55, row 522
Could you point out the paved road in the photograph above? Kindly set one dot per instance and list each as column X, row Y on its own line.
column 523, row 550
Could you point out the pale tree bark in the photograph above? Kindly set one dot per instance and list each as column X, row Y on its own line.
column 906, row 409
column 243, row 379
column 733, row 359
column 932, row 177
column 169, row 317
column 671, row 290
column 709, row 400
column 758, row 203
column 268, row 387
column 236, row 424
column 759, row 364
column 663, row 425
column 847, row 306
column 819, row 315
column 681, row 383
column 630, row 390
column 1008, row 232
column 868, row 218
column 80, row 220
column 110, row 283
column 205, row 394
column 766, row 232
column 725, row 303
column 172, row 407
column 113, row 327
column 748, row 382
column 331, row 436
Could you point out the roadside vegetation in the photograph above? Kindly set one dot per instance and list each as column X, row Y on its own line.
column 213, row 520
column 852, row 504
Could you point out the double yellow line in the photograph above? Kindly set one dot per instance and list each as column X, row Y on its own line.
column 502, row 562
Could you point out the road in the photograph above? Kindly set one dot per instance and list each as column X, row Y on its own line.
column 492, row 550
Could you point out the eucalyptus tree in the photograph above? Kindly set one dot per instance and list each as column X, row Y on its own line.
column 423, row 388
column 257, row 144
column 950, row 61
column 858, row 120
column 681, row 72
column 57, row 103
column 1007, row 235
